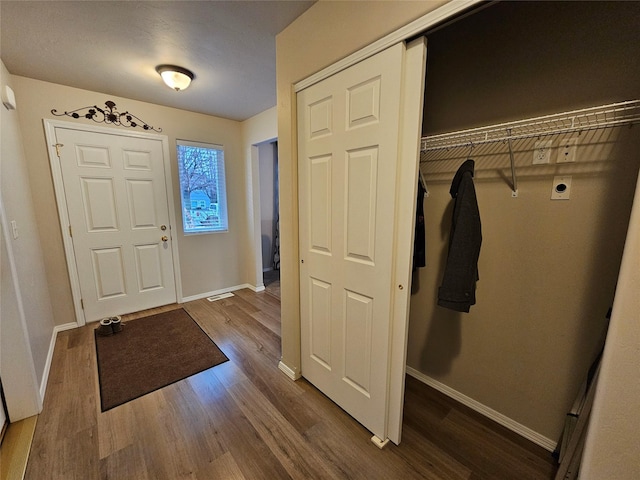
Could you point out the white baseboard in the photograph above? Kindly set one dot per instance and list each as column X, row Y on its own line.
column 497, row 417
column 259, row 288
column 52, row 345
column 222, row 290
column 288, row 371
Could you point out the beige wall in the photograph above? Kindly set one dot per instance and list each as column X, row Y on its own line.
column 208, row 262
column 324, row 34
column 26, row 319
column 258, row 129
column 612, row 448
column 17, row 196
column 16, row 360
column 547, row 268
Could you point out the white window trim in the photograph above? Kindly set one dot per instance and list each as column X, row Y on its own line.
column 221, row 205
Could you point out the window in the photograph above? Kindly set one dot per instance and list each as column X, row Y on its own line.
column 202, row 187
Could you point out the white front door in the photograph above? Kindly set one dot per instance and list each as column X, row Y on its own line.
column 116, row 201
column 349, row 139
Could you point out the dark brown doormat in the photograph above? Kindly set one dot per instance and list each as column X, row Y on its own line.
column 151, row 353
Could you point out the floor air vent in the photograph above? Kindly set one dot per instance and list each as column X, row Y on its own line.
column 213, row 298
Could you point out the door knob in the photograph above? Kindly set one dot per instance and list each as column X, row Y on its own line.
column 164, row 238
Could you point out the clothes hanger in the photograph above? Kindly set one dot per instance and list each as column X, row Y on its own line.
column 470, row 150
column 422, row 180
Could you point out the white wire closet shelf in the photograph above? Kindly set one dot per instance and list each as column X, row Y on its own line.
column 605, row 116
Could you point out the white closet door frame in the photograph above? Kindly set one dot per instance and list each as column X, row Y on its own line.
column 404, row 229
column 58, row 185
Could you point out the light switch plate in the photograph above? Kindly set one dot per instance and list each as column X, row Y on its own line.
column 14, row 229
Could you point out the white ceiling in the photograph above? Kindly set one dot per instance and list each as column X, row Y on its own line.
column 114, row 46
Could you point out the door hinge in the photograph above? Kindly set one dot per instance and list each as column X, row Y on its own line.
column 70, row 231
column 58, row 145
column 82, row 303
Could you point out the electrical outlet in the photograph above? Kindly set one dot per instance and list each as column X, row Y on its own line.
column 567, row 150
column 542, row 152
column 561, row 188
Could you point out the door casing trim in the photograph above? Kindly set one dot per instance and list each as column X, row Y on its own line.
column 61, row 201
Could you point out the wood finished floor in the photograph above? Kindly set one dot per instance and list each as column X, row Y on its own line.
column 272, row 282
column 15, row 447
column 244, row 419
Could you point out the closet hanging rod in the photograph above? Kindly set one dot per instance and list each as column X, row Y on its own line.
column 605, row 116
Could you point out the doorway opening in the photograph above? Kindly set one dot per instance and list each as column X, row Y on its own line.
column 269, row 216
column 130, row 205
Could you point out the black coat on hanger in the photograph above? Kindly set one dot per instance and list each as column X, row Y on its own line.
column 419, row 238
column 458, row 289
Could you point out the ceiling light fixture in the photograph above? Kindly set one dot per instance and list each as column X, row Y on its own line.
column 175, row 77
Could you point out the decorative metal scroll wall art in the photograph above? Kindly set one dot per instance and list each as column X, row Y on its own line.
column 109, row 114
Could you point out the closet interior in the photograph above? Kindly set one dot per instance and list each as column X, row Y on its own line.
column 543, row 97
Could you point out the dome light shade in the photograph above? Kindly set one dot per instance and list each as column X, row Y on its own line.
column 175, row 77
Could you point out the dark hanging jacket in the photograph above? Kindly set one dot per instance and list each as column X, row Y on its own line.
column 458, row 289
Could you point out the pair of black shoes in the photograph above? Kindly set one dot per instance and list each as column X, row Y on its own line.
column 109, row 326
